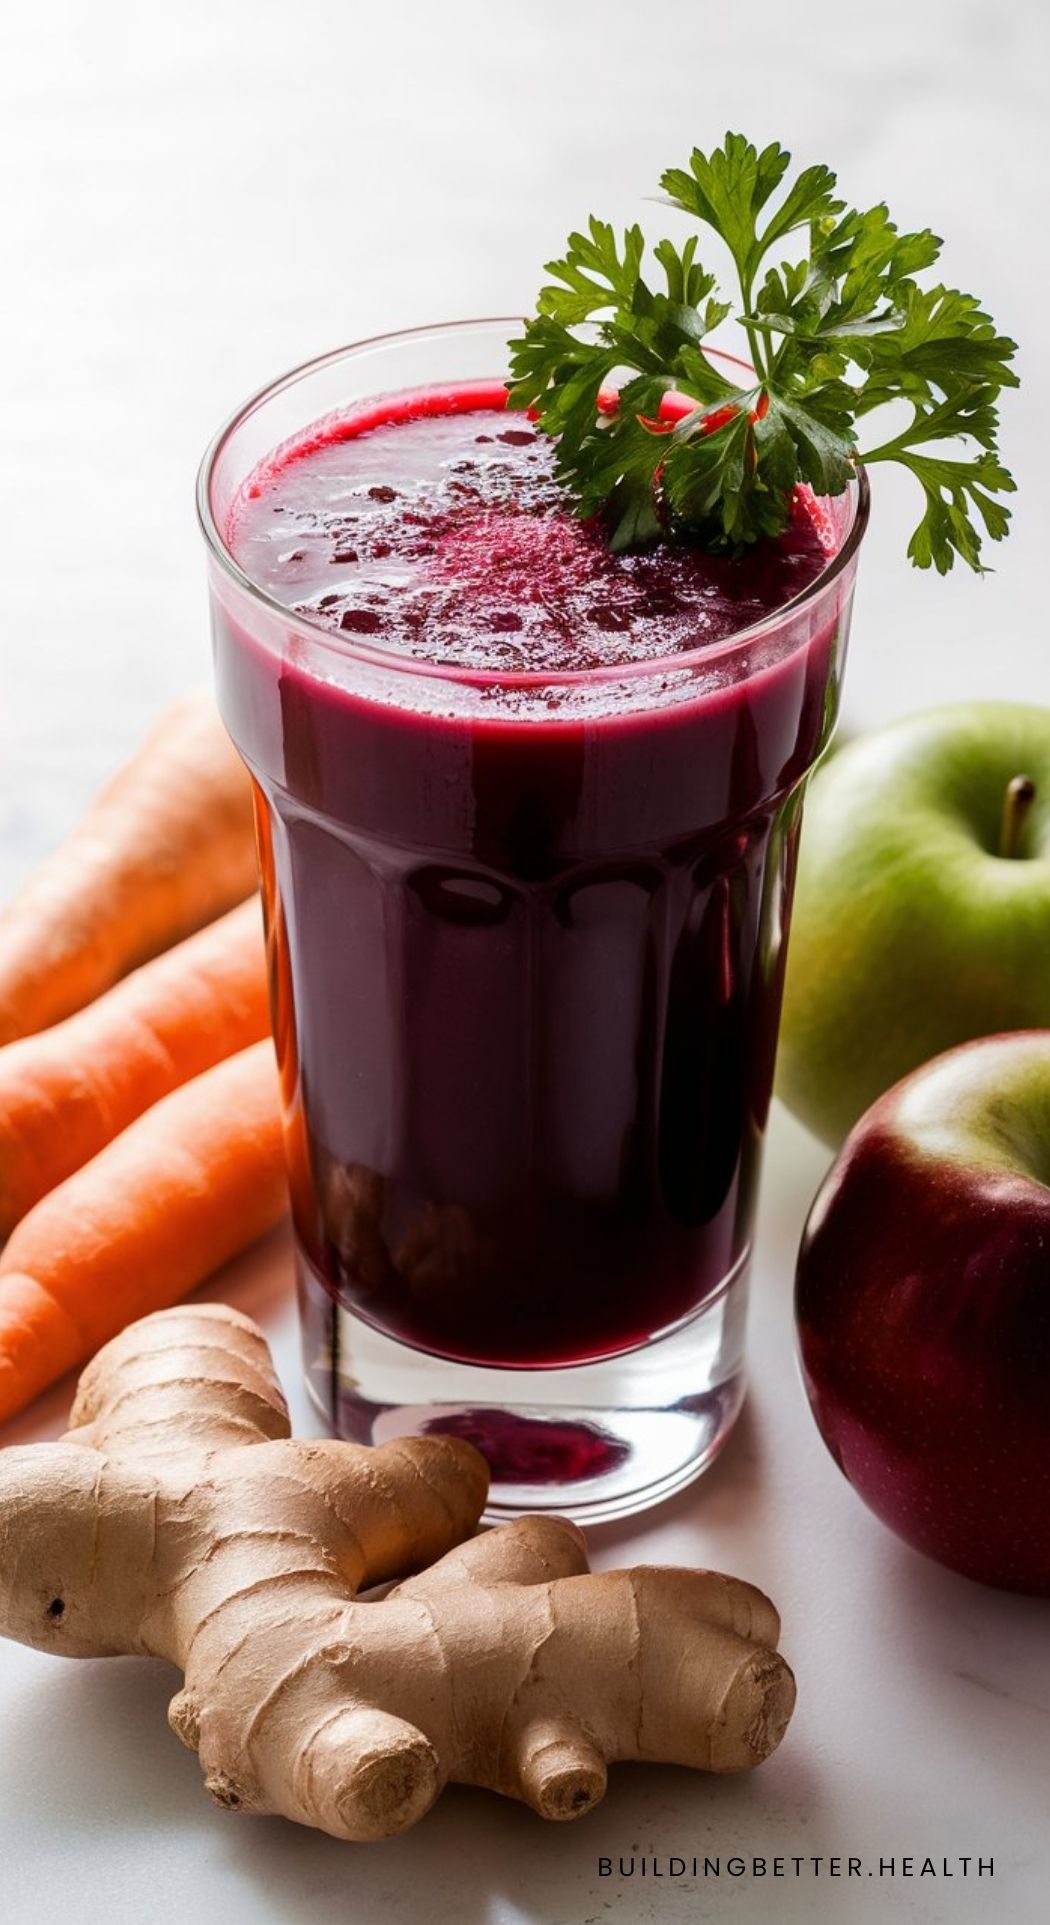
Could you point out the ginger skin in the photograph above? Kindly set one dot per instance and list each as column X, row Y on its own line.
column 178, row 1519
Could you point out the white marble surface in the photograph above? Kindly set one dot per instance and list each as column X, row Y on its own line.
column 196, row 197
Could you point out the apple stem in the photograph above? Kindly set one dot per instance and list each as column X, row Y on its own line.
column 1017, row 807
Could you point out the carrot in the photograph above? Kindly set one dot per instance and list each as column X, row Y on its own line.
column 66, row 1093
column 164, row 849
column 187, row 1186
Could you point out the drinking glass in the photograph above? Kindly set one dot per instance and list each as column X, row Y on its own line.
column 526, row 938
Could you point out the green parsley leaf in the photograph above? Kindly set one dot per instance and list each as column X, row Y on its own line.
column 837, row 330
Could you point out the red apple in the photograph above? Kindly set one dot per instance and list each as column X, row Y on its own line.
column 923, row 1304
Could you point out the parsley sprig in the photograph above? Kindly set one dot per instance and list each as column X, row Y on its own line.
column 838, row 330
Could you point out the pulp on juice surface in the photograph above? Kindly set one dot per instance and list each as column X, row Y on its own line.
column 466, row 553
column 527, row 939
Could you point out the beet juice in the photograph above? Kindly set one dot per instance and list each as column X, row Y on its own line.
column 528, row 817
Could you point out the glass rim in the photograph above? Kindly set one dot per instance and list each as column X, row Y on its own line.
column 316, row 635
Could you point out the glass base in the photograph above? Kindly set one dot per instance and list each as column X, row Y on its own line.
column 591, row 1442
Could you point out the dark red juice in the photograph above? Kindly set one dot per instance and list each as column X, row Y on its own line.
column 528, row 829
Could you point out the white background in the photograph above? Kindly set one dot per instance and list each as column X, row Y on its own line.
column 195, row 197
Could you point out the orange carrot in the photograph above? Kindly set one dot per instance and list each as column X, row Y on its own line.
column 66, row 1093
column 165, row 848
column 187, row 1186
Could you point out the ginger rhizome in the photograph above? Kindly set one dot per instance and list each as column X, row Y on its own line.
column 178, row 1519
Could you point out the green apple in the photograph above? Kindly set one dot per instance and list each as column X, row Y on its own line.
column 922, row 909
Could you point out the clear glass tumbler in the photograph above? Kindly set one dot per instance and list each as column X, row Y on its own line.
column 526, row 936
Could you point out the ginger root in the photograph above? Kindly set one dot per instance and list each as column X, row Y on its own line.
column 178, row 1519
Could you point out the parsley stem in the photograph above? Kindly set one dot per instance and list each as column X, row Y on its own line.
column 889, row 451
column 754, row 347
column 756, row 358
